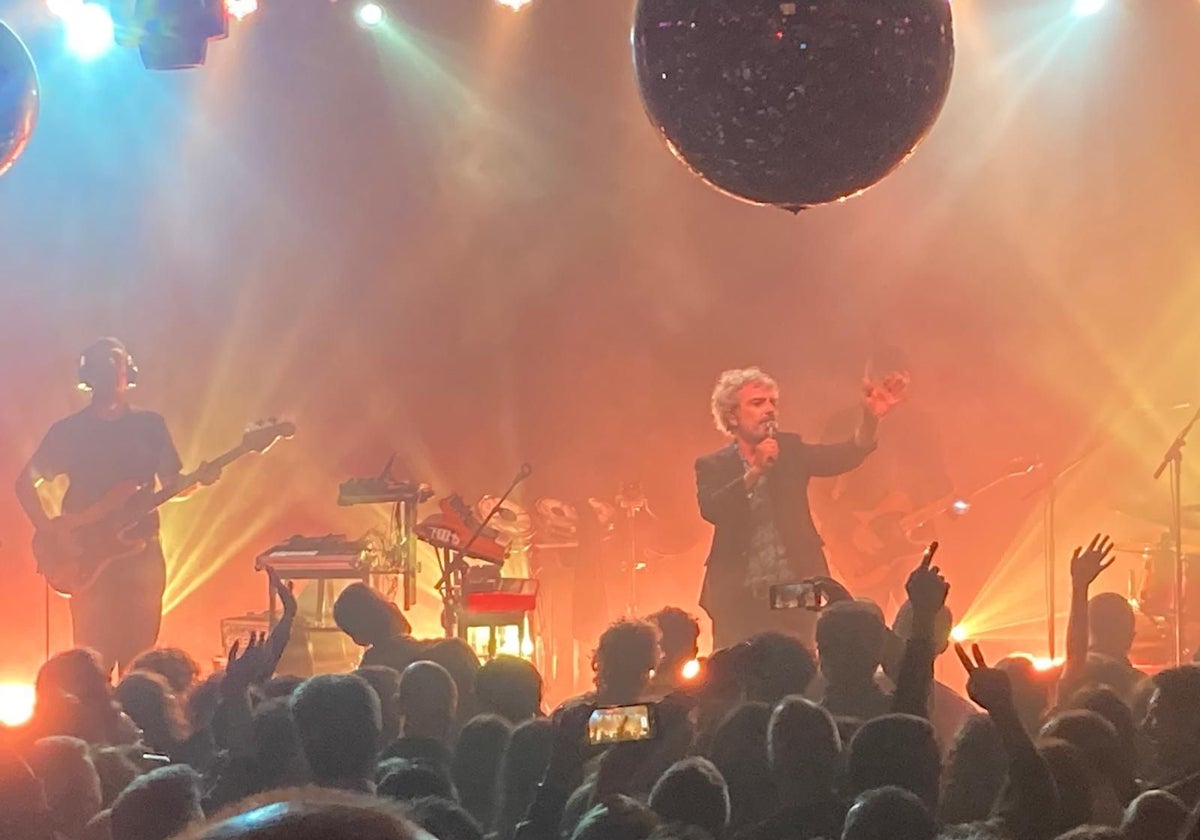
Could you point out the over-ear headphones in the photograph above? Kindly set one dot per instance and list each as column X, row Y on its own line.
column 105, row 346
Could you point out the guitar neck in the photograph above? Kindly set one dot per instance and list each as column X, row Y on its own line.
column 189, row 480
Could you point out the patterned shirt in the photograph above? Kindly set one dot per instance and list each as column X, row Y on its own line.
column 766, row 561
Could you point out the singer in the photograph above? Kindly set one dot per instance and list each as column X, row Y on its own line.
column 755, row 492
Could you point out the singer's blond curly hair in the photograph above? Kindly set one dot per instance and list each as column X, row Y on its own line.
column 725, row 394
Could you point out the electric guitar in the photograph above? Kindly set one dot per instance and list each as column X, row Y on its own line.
column 76, row 547
column 885, row 540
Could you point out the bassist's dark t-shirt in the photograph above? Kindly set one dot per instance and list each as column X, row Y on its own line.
column 97, row 454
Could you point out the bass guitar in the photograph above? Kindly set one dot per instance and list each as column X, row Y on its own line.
column 76, row 547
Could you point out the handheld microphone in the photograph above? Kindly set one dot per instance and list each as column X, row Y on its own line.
column 772, row 428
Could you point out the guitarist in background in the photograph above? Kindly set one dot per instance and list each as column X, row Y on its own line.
column 860, row 511
column 105, row 444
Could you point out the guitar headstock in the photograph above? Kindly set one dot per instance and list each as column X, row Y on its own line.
column 260, row 436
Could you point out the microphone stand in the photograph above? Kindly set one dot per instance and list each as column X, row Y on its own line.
column 454, row 560
column 1174, row 460
column 1050, row 488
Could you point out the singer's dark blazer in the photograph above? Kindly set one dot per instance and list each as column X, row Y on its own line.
column 725, row 503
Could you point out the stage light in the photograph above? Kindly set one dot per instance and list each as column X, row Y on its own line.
column 1045, row 663
column 369, row 14
column 174, row 34
column 1083, row 8
column 515, row 5
column 691, row 669
column 241, row 9
column 63, row 8
column 89, row 31
column 959, row 633
column 16, row 703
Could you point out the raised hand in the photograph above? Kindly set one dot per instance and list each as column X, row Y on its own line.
column 207, row 474
column 881, row 397
column 286, row 597
column 1087, row 564
column 828, row 591
column 245, row 667
column 990, row 688
column 927, row 589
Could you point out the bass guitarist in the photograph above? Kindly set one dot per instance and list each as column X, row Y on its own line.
column 106, row 444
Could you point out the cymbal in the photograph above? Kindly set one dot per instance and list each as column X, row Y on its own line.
column 557, row 510
column 1161, row 515
column 1146, row 549
column 511, row 519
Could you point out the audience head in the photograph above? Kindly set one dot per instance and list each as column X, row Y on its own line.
column 386, row 683
column 427, row 699
column 1111, row 625
column 889, row 813
column 850, row 642
column 679, row 635
column 900, row 751
column 69, row 780
column 444, row 819
column 78, row 672
column 523, row 768
column 309, row 814
column 149, row 700
column 1030, row 689
column 623, row 660
column 739, row 750
column 1069, row 769
column 406, row 781
column 279, row 757
column 337, row 718
column 203, row 700
column 942, row 626
column 974, row 773
column 475, row 768
column 367, row 617
column 175, row 664
column 1105, row 702
column 115, row 769
column 775, row 666
column 510, row 687
column 1092, row 832
column 1096, row 738
column 460, row 661
column 616, row 818
column 693, row 791
column 24, row 814
column 1172, row 724
column 803, row 746
column 1154, row 815
column 157, row 805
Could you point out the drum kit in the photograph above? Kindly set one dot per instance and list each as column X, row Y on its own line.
column 1158, row 596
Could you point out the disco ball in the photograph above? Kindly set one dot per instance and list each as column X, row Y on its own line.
column 793, row 104
column 18, row 97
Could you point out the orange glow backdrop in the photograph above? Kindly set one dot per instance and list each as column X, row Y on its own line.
column 458, row 239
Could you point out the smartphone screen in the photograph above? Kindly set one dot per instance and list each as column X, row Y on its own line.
column 618, row 724
column 791, row 596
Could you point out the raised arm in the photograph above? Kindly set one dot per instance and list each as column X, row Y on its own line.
column 1028, row 812
column 927, row 591
column 1086, row 566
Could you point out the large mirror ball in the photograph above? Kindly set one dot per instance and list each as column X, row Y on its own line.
column 793, row 104
column 18, row 97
